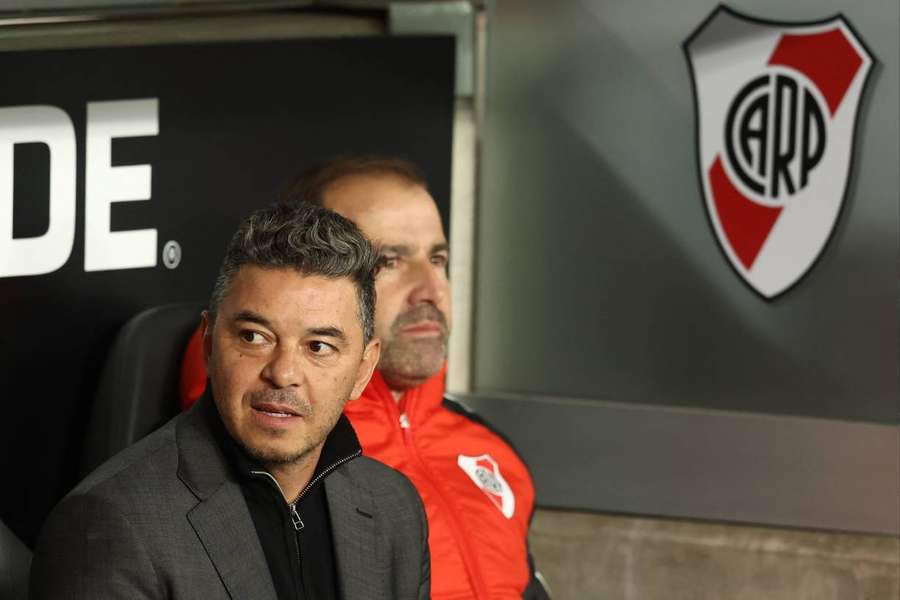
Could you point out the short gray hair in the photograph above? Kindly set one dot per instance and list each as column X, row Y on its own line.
column 309, row 239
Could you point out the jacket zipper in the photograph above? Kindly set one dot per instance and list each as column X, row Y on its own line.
column 409, row 442
column 296, row 521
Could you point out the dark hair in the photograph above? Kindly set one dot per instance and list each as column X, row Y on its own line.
column 310, row 185
column 309, row 239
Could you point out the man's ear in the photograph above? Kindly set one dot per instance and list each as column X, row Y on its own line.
column 206, row 329
column 371, row 354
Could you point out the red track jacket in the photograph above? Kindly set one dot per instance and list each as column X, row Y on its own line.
column 477, row 492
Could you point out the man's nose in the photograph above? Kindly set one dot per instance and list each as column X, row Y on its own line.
column 429, row 284
column 283, row 368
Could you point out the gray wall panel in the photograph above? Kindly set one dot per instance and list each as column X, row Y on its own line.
column 675, row 462
column 599, row 276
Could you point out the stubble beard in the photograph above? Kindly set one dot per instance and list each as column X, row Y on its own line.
column 314, row 436
column 409, row 361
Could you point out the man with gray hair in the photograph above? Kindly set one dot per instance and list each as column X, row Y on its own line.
column 259, row 491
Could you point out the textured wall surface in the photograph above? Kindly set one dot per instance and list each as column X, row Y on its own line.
column 607, row 557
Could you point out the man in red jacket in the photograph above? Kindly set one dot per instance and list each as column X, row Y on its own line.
column 477, row 491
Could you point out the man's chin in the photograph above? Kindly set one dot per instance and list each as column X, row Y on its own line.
column 410, row 369
column 267, row 455
column 403, row 381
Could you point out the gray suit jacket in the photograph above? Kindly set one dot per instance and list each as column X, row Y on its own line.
column 166, row 519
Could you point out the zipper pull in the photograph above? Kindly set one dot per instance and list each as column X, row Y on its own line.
column 295, row 518
column 404, row 421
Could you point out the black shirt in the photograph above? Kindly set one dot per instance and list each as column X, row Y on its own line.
column 295, row 538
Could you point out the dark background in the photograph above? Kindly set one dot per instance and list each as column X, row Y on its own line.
column 236, row 120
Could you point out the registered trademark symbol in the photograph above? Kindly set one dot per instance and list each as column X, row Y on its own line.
column 171, row 254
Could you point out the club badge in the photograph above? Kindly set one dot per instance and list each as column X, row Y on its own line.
column 777, row 107
column 485, row 473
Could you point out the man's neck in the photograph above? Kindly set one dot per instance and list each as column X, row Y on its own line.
column 400, row 385
column 293, row 477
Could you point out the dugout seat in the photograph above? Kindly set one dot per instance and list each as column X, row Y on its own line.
column 15, row 563
column 138, row 387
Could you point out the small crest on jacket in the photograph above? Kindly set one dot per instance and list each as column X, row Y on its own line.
column 777, row 107
column 485, row 473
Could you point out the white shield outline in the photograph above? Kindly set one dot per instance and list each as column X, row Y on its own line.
column 504, row 499
column 774, row 277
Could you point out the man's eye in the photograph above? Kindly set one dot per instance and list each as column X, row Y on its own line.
column 388, row 262
column 320, row 348
column 252, row 337
column 439, row 260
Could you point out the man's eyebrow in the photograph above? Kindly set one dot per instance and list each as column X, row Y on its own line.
column 326, row 331
column 332, row 332
column 252, row 317
column 398, row 249
column 405, row 250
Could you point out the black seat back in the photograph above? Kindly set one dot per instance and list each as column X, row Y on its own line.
column 15, row 562
column 138, row 389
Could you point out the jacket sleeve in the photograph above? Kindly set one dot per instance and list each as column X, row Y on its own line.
column 88, row 549
column 425, row 581
column 536, row 589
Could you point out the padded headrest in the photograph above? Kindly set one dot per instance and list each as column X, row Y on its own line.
column 138, row 388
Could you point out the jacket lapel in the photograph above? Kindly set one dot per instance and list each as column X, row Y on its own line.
column 360, row 574
column 224, row 526
column 221, row 519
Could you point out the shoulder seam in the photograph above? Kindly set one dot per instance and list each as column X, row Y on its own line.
column 458, row 407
